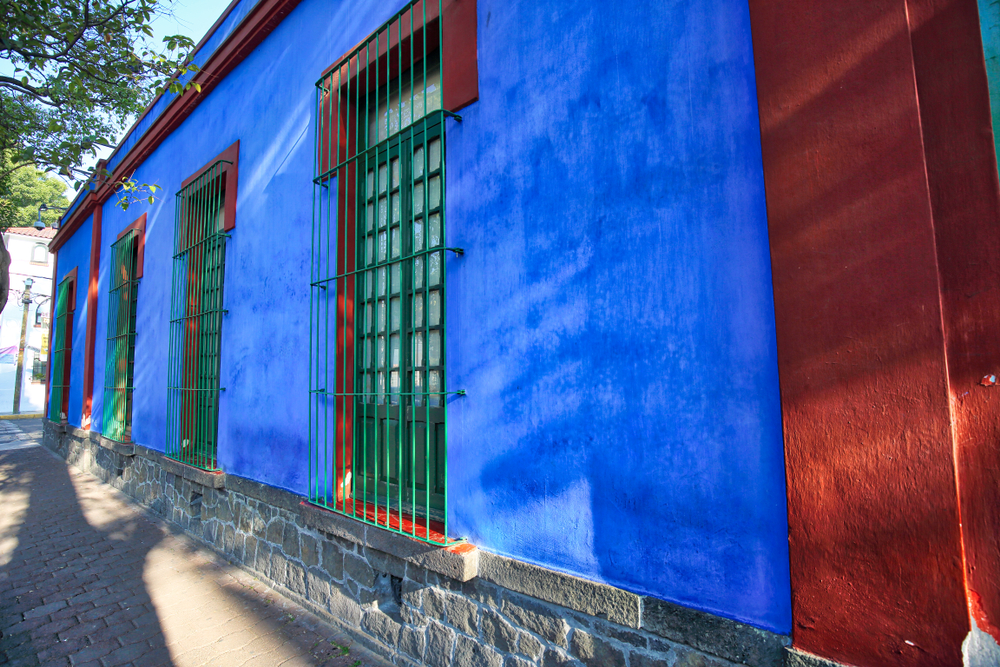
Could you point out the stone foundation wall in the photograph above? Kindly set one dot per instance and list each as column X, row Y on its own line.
column 412, row 603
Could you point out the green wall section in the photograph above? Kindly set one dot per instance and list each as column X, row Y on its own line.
column 989, row 23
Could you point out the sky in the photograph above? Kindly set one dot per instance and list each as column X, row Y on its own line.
column 189, row 17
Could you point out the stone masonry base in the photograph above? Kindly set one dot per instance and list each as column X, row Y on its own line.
column 411, row 603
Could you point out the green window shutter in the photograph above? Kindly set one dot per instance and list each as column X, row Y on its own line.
column 378, row 415
column 196, row 320
column 62, row 350
column 120, row 358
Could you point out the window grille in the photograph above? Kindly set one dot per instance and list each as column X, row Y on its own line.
column 120, row 358
column 196, row 320
column 62, row 349
column 378, row 414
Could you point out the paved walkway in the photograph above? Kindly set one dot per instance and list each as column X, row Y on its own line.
column 88, row 578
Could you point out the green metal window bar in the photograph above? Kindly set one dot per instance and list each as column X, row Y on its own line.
column 378, row 414
column 62, row 349
column 196, row 320
column 120, row 358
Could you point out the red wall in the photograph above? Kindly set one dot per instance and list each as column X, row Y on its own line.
column 875, row 132
column 965, row 199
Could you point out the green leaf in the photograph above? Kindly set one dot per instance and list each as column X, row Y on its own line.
column 109, row 76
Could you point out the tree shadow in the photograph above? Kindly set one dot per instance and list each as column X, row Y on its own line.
column 84, row 575
column 68, row 587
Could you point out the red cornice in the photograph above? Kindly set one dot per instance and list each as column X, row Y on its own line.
column 139, row 226
column 230, row 175
column 71, row 276
column 251, row 31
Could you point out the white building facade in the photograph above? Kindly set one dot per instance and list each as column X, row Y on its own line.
column 29, row 259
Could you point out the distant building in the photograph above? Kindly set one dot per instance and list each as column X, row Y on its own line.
column 29, row 258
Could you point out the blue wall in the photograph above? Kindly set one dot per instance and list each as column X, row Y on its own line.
column 611, row 320
column 75, row 254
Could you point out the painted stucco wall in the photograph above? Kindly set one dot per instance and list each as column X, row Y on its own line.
column 75, row 253
column 22, row 250
column 611, row 320
column 884, row 218
column 615, row 329
column 954, row 90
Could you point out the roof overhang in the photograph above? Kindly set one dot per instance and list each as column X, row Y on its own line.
column 251, row 31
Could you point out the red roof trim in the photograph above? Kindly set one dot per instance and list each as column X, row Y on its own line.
column 201, row 42
column 46, row 233
column 251, row 31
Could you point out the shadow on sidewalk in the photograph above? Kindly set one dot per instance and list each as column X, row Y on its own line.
column 73, row 557
column 68, row 587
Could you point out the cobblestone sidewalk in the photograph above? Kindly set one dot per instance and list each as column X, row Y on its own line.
column 87, row 578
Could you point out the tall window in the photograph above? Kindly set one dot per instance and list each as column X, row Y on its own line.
column 378, row 383
column 62, row 347
column 203, row 206
column 123, row 292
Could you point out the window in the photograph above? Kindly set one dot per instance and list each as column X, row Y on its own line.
column 123, row 291
column 205, row 209
column 62, row 347
column 40, row 254
column 378, row 449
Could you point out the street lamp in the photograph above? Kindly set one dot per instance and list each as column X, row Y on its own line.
column 19, row 374
column 44, row 207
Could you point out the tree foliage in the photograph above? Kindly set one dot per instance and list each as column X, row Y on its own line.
column 77, row 73
column 73, row 75
column 27, row 189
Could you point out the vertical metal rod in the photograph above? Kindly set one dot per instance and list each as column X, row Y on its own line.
column 425, row 292
column 362, row 111
column 401, row 372
column 215, row 224
column 380, row 285
column 333, row 232
column 341, row 451
column 346, row 406
column 326, row 381
column 412, row 336
column 313, row 289
column 444, row 273
column 204, row 204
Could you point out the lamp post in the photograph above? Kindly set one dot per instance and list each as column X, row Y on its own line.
column 45, row 207
column 19, row 373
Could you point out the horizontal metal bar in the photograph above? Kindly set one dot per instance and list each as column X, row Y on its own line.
column 322, row 392
column 384, row 147
column 178, row 320
column 182, row 389
column 382, row 265
column 211, row 236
